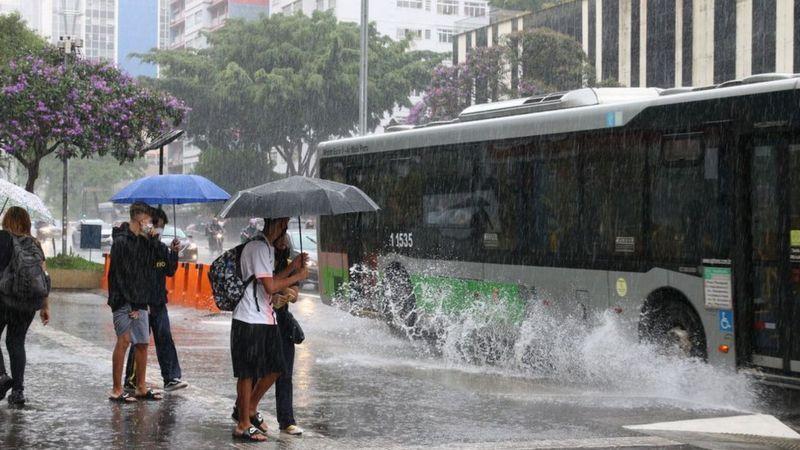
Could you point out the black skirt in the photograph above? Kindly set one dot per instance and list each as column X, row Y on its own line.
column 256, row 350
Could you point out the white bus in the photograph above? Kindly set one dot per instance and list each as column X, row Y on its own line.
column 678, row 209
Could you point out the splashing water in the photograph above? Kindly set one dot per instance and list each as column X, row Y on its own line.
column 598, row 351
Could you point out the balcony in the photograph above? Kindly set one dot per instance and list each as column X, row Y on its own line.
column 214, row 4
column 177, row 19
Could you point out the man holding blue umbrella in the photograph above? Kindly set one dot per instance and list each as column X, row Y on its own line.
column 157, row 190
column 163, row 263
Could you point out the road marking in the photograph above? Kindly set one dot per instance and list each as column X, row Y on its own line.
column 762, row 425
column 615, row 442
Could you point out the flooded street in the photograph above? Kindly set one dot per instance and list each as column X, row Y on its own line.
column 359, row 385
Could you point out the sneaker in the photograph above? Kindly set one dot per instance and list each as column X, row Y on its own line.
column 5, row 384
column 174, row 385
column 16, row 398
column 293, row 430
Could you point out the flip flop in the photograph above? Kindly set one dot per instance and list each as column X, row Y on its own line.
column 150, row 395
column 122, row 398
column 256, row 420
column 249, row 435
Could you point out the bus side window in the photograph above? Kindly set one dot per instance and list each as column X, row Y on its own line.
column 613, row 194
column 690, row 198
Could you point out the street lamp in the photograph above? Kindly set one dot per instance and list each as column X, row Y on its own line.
column 362, row 74
column 162, row 141
column 68, row 43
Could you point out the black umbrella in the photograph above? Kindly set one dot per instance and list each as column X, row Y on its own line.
column 297, row 196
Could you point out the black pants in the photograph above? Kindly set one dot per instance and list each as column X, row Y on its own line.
column 283, row 387
column 165, row 347
column 17, row 323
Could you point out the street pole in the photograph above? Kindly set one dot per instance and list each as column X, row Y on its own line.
column 68, row 43
column 65, row 181
column 362, row 75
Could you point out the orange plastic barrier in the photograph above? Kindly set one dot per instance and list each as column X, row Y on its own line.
column 188, row 287
column 106, row 266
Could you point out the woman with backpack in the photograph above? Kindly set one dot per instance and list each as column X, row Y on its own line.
column 17, row 312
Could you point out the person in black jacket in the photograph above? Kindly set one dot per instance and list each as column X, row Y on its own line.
column 128, row 279
column 164, row 263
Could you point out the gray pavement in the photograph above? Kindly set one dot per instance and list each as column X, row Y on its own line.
column 357, row 385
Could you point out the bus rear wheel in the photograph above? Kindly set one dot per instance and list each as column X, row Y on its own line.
column 674, row 326
column 399, row 303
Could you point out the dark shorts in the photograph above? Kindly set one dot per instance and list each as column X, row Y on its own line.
column 255, row 350
column 139, row 328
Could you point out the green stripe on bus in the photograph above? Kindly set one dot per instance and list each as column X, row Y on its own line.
column 457, row 294
column 332, row 279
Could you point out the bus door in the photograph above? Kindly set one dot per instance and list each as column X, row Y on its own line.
column 771, row 294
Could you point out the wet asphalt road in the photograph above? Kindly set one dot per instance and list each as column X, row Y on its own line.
column 357, row 385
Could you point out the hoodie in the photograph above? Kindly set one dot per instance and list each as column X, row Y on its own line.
column 162, row 264
column 127, row 275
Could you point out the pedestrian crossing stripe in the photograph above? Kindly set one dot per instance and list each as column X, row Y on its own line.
column 762, row 425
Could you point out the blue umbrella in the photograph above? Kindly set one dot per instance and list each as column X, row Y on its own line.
column 175, row 189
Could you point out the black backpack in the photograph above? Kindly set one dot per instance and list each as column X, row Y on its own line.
column 25, row 284
column 226, row 280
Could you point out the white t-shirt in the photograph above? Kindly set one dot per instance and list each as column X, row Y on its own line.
column 258, row 258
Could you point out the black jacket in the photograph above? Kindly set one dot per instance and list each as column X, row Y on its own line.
column 128, row 275
column 163, row 264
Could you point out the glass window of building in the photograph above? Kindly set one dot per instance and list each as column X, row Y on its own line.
column 416, row 4
column 445, row 35
column 475, row 9
column 447, row 7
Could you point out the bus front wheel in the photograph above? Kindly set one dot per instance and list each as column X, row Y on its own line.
column 674, row 326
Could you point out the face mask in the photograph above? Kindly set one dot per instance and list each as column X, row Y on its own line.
column 159, row 231
column 147, row 228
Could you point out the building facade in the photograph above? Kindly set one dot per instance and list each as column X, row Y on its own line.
column 666, row 43
column 431, row 24
column 190, row 18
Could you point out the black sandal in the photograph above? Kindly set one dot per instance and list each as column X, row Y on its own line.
column 122, row 398
column 150, row 395
column 256, row 420
column 249, row 435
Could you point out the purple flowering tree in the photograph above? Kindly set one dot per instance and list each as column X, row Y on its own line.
column 87, row 109
column 453, row 88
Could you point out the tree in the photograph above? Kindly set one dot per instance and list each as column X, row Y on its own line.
column 287, row 82
column 18, row 40
column 549, row 61
column 86, row 109
column 236, row 169
column 453, row 88
column 92, row 180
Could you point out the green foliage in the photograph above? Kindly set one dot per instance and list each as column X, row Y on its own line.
column 18, row 40
column 91, row 181
column 72, row 262
column 236, row 169
column 550, row 61
column 287, row 82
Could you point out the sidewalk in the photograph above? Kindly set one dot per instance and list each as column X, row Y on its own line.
column 69, row 375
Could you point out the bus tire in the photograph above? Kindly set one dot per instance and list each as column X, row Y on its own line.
column 400, row 307
column 671, row 323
